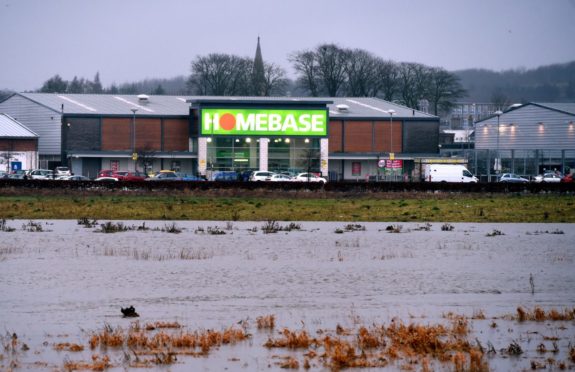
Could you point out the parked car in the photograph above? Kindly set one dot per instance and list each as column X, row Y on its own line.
column 165, row 176
column 512, row 178
column 568, row 178
column 106, row 179
column 309, row 177
column 73, row 178
column 62, row 171
column 548, row 177
column 281, row 178
column 224, row 176
column 189, row 177
column 129, row 176
column 261, row 176
column 41, row 174
column 105, row 173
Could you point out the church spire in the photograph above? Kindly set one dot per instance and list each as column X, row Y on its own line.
column 258, row 74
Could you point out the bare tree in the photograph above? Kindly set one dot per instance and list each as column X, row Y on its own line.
column 361, row 74
column 221, row 75
column 306, row 65
column 331, row 61
column 444, row 90
column 388, row 79
column 275, row 81
column 413, row 83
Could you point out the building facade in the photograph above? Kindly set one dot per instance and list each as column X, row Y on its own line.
column 18, row 146
column 342, row 138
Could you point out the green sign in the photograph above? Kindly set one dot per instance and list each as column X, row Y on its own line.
column 262, row 122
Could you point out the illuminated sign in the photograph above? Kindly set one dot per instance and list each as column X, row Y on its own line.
column 263, row 122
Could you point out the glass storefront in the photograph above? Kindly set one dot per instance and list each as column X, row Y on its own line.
column 232, row 153
column 294, row 154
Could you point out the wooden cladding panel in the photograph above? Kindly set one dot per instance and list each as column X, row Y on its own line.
column 335, row 136
column 16, row 145
column 383, row 134
column 116, row 134
column 176, row 135
column 358, row 136
column 149, row 134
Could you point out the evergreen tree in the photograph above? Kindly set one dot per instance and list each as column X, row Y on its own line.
column 159, row 91
column 54, row 85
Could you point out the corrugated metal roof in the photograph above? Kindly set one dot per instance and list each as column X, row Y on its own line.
column 565, row 107
column 109, row 104
column 13, row 129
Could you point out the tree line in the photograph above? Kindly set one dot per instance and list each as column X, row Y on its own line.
column 331, row 70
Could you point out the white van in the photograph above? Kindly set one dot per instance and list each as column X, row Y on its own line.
column 448, row 173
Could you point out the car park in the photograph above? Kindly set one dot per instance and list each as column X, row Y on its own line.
column 309, row 177
column 548, row 178
column 512, row 178
column 261, row 176
column 281, row 178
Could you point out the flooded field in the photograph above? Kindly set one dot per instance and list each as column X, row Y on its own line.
column 266, row 296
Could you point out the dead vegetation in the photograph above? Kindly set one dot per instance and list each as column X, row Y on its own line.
column 540, row 315
column 266, row 321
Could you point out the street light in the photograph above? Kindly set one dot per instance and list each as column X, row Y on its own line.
column 391, row 155
column 134, row 155
column 497, row 158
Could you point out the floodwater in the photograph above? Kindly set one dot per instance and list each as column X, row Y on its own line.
column 68, row 281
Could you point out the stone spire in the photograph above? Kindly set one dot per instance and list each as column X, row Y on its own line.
column 258, row 74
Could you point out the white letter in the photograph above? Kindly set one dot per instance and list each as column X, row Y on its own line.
column 211, row 123
column 289, row 123
column 243, row 124
column 261, row 122
column 304, row 121
column 274, row 122
column 318, row 123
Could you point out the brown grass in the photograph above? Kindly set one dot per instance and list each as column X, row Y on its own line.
column 291, row 340
column 540, row 315
column 66, row 346
column 98, row 364
column 266, row 322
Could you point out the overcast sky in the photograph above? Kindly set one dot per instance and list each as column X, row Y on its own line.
column 130, row 40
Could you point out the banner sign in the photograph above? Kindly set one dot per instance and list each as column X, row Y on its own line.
column 395, row 164
column 356, row 168
column 263, row 122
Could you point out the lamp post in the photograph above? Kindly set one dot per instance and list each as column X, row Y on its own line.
column 134, row 155
column 391, row 154
column 497, row 158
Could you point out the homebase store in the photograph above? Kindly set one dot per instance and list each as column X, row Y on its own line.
column 283, row 135
column 343, row 138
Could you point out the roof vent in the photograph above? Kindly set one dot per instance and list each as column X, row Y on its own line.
column 342, row 108
column 142, row 98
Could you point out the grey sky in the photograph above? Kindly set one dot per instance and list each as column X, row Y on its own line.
column 129, row 40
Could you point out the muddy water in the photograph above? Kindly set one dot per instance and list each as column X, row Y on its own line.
column 68, row 280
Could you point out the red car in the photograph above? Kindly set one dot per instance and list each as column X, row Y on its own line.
column 129, row 176
column 568, row 178
column 105, row 173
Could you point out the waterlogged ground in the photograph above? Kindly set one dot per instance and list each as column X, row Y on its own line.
column 67, row 283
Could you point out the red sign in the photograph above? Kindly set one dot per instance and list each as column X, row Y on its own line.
column 394, row 164
column 356, row 168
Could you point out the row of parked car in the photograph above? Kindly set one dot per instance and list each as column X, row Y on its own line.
column 545, row 177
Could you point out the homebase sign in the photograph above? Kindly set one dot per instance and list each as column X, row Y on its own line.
column 261, row 122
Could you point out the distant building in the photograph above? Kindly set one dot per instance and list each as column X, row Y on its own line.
column 18, row 145
column 465, row 114
column 529, row 139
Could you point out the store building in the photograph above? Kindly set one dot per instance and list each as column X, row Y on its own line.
column 18, row 146
column 343, row 138
column 527, row 139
